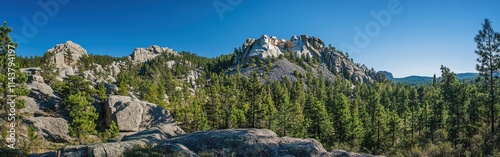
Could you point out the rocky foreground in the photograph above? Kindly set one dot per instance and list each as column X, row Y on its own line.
column 231, row 142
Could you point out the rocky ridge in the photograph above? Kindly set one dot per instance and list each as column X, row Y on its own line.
column 141, row 55
column 267, row 47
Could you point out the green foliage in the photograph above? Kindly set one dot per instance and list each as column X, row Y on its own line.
column 111, row 132
column 82, row 115
column 488, row 49
column 12, row 152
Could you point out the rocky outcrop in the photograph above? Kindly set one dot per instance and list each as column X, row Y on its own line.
column 283, row 67
column 116, row 149
column 264, row 47
column 52, row 129
column 65, row 58
column 61, row 51
column 343, row 153
column 247, row 142
column 145, row 54
column 111, row 149
column 230, row 142
column 132, row 115
column 302, row 46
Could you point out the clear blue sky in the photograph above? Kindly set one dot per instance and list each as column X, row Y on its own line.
column 416, row 41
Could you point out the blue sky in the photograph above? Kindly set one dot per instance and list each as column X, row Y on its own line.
column 418, row 38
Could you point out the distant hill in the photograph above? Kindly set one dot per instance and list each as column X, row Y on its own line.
column 420, row 80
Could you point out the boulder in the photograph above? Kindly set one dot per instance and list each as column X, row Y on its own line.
column 52, row 129
column 110, row 88
column 176, row 149
column 343, row 153
column 30, row 105
column 110, row 149
column 135, row 115
column 247, row 142
column 41, row 97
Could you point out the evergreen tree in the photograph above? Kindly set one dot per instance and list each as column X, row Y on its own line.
column 450, row 89
column 341, row 116
column 488, row 49
column 319, row 124
column 82, row 115
column 284, row 107
column 213, row 109
column 68, row 57
column 255, row 95
column 111, row 132
column 357, row 130
column 270, row 110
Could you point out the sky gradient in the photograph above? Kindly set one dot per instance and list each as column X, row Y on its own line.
column 418, row 38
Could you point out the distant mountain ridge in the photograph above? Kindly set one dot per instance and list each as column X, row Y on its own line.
column 420, row 80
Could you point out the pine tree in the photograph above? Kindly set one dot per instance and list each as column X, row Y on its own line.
column 450, row 89
column 270, row 110
column 357, row 130
column 82, row 115
column 319, row 124
column 68, row 57
column 255, row 92
column 284, row 107
column 111, row 132
column 439, row 113
column 488, row 49
column 341, row 116
column 213, row 109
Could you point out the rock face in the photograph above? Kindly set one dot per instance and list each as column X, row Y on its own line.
column 264, row 47
column 61, row 51
column 132, row 115
column 145, row 54
column 65, row 57
column 53, row 129
column 230, row 142
column 247, row 142
column 283, row 67
column 302, row 46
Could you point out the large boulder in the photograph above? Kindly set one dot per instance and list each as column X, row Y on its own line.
column 52, row 129
column 247, row 142
column 132, row 115
column 110, row 149
column 150, row 137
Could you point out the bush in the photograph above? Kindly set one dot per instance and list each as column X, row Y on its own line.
column 12, row 152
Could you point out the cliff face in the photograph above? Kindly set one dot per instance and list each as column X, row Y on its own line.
column 267, row 47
